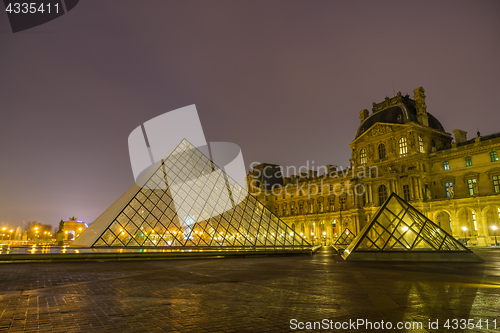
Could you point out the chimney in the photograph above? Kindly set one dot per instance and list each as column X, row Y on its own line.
column 363, row 115
column 418, row 95
column 460, row 136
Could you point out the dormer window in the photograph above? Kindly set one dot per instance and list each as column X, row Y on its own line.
column 403, row 147
column 381, row 151
column 420, row 144
column 362, row 156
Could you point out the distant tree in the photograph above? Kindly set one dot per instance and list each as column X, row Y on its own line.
column 37, row 230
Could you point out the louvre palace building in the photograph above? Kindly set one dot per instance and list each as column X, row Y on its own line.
column 399, row 147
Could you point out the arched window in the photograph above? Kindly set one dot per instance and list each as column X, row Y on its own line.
column 302, row 229
column 293, row 227
column 403, row 147
column 420, row 144
column 403, row 168
column 362, row 156
column 382, row 194
column 381, row 151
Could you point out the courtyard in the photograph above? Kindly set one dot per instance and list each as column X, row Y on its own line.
column 262, row 294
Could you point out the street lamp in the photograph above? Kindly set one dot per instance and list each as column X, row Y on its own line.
column 464, row 229
column 495, row 231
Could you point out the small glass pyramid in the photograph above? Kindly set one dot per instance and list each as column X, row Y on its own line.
column 345, row 238
column 188, row 201
column 399, row 227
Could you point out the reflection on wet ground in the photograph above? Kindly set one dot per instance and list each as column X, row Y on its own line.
column 246, row 294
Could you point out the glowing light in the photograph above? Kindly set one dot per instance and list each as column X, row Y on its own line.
column 405, row 229
column 494, row 227
column 464, row 228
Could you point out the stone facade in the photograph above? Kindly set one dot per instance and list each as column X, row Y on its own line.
column 399, row 148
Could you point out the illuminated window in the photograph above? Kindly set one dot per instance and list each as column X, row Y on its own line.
column 332, row 204
column 362, row 156
column 284, row 211
column 382, row 194
column 494, row 156
column 449, row 188
column 403, row 168
column 292, row 209
column 381, row 151
column 471, row 184
column 474, row 220
column 403, row 147
column 468, row 161
column 496, row 183
column 446, row 165
column 301, row 208
column 420, row 144
column 320, row 206
column 406, row 192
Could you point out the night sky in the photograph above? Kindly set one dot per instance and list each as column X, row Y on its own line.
column 285, row 80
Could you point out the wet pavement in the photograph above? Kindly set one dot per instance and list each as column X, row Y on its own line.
column 269, row 294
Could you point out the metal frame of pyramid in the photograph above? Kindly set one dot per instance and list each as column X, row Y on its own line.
column 399, row 232
column 186, row 201
column 344, row 239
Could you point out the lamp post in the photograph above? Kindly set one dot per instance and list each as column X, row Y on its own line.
column 495, row 231
column 464, row 229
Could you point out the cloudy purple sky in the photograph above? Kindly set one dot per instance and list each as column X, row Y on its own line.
column 284, row 80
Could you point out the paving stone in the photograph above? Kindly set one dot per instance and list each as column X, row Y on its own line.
column 242, row 295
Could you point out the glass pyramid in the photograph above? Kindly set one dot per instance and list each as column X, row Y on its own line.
column 398, row 226
column 188, row 201
column 345, row 238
